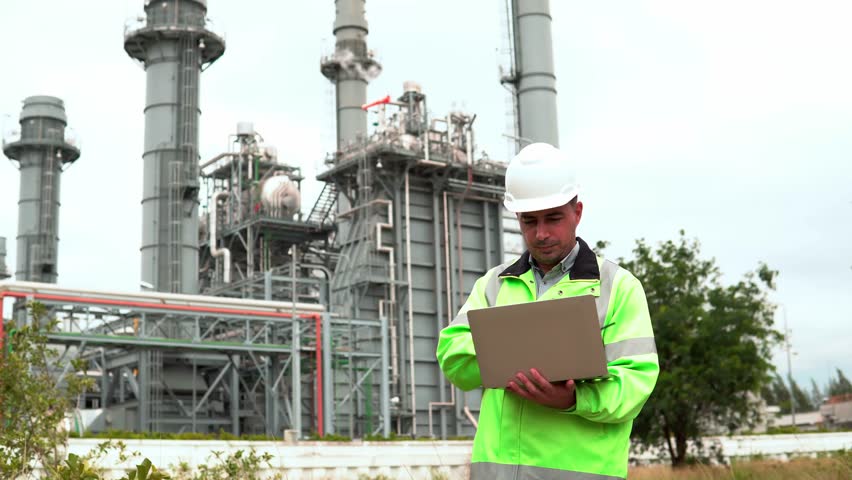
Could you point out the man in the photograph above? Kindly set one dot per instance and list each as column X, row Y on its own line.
column 535, row 429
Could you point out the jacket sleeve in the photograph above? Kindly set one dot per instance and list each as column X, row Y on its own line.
column 631, row 358
column 456, row 355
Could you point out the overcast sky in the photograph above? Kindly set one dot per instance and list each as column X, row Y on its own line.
column 729, row 119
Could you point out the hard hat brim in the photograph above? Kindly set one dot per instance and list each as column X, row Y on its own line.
column 536, row 204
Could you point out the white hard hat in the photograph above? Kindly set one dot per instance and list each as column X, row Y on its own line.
column 539, row 177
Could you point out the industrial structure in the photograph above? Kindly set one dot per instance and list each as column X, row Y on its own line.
column 424, row 223
column 532, row 78
column 322, row 322
column 41, row 151
column 173, row 43
column 253, row 209
column 178, row 363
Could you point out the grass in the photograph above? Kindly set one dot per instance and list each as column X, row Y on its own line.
column 834, row 467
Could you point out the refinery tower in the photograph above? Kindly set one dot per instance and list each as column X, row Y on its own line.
column 174, row 44
column 41, row 151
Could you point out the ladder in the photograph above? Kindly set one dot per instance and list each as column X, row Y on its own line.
column 46, row 234
column 183, row 166
column 155, row 383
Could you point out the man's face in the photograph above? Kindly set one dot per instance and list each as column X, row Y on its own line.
column 551, row 234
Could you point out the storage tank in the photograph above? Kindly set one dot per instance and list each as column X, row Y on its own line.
column 279, row 196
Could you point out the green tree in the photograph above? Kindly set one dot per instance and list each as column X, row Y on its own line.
column 32, row 405
column 714, row 343
column 803, row 401
column 839, row 385
column 816, row 394
column 781, row 394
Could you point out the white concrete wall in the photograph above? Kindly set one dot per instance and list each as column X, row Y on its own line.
column 780, row 447
column 305, row 460
column 409, row 460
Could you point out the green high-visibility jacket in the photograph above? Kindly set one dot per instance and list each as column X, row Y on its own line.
column 519, row 439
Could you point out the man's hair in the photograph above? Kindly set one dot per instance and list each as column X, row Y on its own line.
column 573, row 201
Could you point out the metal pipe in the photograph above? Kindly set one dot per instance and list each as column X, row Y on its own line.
column 296, row 378
column 174, row 301
column 460, row 260
column 392, row 262
column 410, row 307
column 235, row 395
column 450, row 310
column 268, row 369
column 431, row 163
column 352, row 210
column 439, row 317
column 220, row 252
column 426, row 146
column 325, row 297
column 217, row 158
column 451, row 403
column 469, row 416
column 319, row 381
column 469, row 142
column 385, row 381
column 327, row 397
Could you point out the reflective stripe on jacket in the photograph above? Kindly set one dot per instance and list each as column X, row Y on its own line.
column 518, row 439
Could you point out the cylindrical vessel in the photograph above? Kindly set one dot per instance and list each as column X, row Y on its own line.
column 279, row 197
column 350, row 68
column 173, row 45
column 40, row 153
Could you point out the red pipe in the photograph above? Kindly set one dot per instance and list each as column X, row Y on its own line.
column 320, row 416
column 124, row 303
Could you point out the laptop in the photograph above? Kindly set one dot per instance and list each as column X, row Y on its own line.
column 560, row 338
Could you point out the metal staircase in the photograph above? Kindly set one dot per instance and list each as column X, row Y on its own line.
column 322, row 211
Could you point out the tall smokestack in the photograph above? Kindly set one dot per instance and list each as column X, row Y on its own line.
column 350, row 69
column 40, row 153
column 534, row 79
column 4, row 272
column 173, row 44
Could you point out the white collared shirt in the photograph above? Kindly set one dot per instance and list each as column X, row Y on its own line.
column 543, row 281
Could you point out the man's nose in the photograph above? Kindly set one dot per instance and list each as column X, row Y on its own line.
column 541, row 233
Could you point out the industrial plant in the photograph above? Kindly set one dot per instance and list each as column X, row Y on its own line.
column 258, row 314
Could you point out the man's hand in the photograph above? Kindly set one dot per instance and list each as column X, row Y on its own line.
column 534, row 387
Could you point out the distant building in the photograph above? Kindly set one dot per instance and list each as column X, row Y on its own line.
column 805, row 421
column 837, row 411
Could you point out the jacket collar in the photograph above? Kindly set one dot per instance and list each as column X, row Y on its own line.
column 585, row 266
